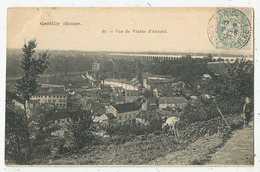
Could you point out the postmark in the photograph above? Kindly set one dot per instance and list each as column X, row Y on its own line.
column 229, row 29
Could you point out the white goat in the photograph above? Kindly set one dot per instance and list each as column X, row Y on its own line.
column 171, row 122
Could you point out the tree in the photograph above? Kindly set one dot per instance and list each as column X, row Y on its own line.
column 231, row 86
column 202, row 109
column 225, row 91
column 208, row 58
column 81, row 129
column 147, row 93
column 41, row 128
column 15, row 140
column 110, row 127
column 140, row 78
column 27, row 86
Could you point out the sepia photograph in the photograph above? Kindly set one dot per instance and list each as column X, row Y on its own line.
column 129, row 87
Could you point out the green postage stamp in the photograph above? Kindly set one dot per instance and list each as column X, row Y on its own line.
column 231, row 28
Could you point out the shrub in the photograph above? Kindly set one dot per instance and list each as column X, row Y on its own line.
column 192, row 131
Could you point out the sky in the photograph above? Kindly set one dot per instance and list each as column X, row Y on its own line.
column 186, row 29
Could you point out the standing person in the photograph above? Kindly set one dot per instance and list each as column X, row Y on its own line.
column 246, row 111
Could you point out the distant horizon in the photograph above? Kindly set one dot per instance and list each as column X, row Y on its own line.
column 141, row 52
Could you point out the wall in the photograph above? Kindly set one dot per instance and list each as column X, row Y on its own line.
column 162, row 106
column 126, row 116
column 111, row 109
column 59, row 100
column 120, row 84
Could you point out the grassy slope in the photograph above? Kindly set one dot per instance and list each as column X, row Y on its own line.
column 136, row 152
column 156, row 149
column 196, row 153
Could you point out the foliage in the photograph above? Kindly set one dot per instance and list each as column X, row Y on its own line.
column 226, row 90
column 26, row 87
column 202, row 109
column 192, row 131
column 187, row 68
column 40, row 134
column 32, row 68
column 74, row 62
column 81, row 129
column 147, row 93
column 127, row 132
column 15, row 136
column 231, row 87
column 41, row 127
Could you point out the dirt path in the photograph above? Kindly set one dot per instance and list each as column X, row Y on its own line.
column 194, row 154
column 238, row 150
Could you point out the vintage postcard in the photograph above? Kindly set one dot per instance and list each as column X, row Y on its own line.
column 130, row 86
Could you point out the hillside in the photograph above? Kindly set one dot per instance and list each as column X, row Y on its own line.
column 196, row 144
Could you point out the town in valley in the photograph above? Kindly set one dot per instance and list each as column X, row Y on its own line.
column 122, row 108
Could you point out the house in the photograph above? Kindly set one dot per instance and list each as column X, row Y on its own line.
column 123, row 83
column 59, row 118
column 153, row 82
column 33, row 104
column 54, row 86
column 145, row 117
column 172, row 102
column 89, row 104
column 96, row 66
column 164, row 114
column 143, row 102
column 119, row 100
column 93, row 76
column 52, row 94
column 130, row 98
column 119, row 95
column 168, row 114
column 131, row 95
column 152, row 104
column 62, row 119
column 105, row 118
column 169, row 88
column 30, row 105
column 126, row 112
column 163, row 86
column 83, row 100
column 117, row 91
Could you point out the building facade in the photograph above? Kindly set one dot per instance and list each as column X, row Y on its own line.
column 124, row 113
column 96, row 66
column 54, row 95
column 172, row 102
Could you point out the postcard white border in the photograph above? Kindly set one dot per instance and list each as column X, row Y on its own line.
column 4, row 4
